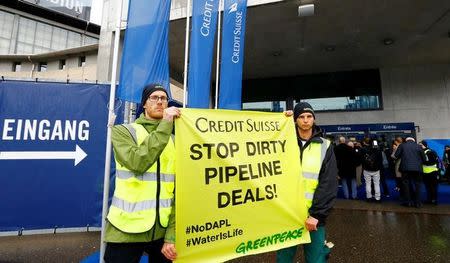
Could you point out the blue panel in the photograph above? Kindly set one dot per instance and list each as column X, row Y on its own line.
column 345, row 128
column 51, row 117
column 145, row 57
column 438, row 145
column 204, row 25
column 232, row 59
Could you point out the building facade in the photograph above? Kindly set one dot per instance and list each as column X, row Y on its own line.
column 36, row 42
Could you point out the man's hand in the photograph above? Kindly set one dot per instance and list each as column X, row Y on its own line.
column 288, row 113
column 169, row 251
column 170, row 113
column 311, row 223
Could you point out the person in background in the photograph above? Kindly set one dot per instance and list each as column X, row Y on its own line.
column 384, row 173
column 358, row 151
column 398, row 174
column 372, row 164
column 446, row 162
column 430, row 173
column 412, row 157
column 345, row 158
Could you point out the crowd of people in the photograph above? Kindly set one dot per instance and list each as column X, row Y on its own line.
column 411, row 164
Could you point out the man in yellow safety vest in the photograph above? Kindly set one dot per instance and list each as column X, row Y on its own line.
column 141, row 215
column 320, row 180
column 430, row 173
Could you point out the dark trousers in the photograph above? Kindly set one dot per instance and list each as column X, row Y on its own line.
column 431, row 184
column 132, row 252
column 384, row 173
column 411, row 182
column 398, row 184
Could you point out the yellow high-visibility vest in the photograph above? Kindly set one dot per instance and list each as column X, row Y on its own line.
column 137, row 199
column 312, row 159
column 429, row 168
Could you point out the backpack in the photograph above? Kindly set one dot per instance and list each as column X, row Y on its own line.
column 433, row 158
column 369, row 161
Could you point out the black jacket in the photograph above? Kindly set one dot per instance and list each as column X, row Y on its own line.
column 431, row 157
column 412, row 157
column 346, row 160
column 374, row 153
column 326, row 190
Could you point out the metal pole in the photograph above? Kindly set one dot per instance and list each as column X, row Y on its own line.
column 218, row 55
column 111, row 118
column 186, row 52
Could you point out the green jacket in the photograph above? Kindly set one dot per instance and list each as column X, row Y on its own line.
column 138, row 159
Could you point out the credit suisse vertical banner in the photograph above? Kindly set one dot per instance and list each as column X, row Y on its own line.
column 238, row 189
column 204, row 25
column 232, row 59
column 145, row 57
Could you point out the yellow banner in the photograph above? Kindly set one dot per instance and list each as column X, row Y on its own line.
column 238, row 189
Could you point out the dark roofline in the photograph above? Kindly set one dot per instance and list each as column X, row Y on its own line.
column 52, row 15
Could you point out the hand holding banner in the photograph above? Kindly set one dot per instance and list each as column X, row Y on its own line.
column 238, row 188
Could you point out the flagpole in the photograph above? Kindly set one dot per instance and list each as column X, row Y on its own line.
column 186, row 52
column 111, row 119
column 218, row 56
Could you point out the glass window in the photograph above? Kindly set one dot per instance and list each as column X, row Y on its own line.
column 25, row 40
column 4, row 46
column 62, row 64
column 42, row 66
column 27, row 29
column 59, row 39
column 90, row 40
column 38, row 50
column 6, row 24
column 43, row 38
column 81, row 61
column 73, row 40
column 345, row 103
column 16, row 66
column 269, row 106
column 23, row 48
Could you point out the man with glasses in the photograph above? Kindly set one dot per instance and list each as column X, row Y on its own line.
column 141, row 217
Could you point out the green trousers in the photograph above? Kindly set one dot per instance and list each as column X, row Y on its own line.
column 315, row 252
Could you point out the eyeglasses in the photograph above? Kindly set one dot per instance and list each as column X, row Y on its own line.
column 157, row 98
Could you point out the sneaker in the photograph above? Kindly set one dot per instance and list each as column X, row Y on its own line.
column 328, row 244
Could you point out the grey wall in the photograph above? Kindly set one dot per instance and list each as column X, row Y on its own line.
column 419, row 94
